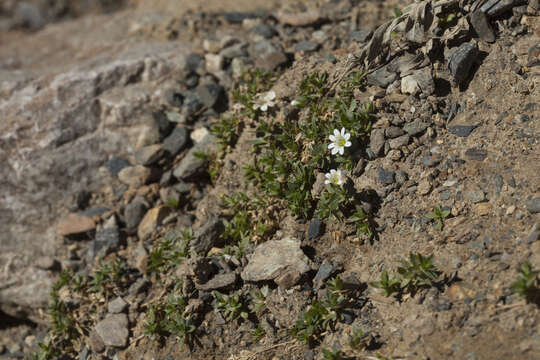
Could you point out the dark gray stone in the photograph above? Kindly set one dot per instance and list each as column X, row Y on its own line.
column 431, row 160
column 314, row 230
column 381, row 77
column 362, row 35
column 393, row 132
column 399, row 142
column 220, row 281
column 116, row 164
column 95, row 211
column 174, row 98
column 264, row 30
column 208, row 236
column 266, row 55
column 140, row 285
column 376, row 141
column 210, row 94
column 480, row 24
column 306, row 46
column 401, row 176
column 202, row 269
column 494, row 8
column 445, row 195
column 234, row 51
column 29, row 15
column 385, row 176
column 193, row 164
column 176, row 141
column 462, row 130
column 149, row 155
column 533, row 205
column 237, row 17
column 134, row 212
column 192, row 105
column 476, row 154
column 106, row 240
column 475, row 196
column 416, row 127
column 462, row 60
column 325, row 271
column 194, row 62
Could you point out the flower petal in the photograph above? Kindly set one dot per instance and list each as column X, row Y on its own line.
column 332, row 138
column 347, row 136
column 327, row 181
column 342, row 131
column 336, row 132
column 264, row 107
column 341, row 150
column 331, row 146
column 335, row 151
column 348, row 143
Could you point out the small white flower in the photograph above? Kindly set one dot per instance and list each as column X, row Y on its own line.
column 340, row 140
column 265, row 101
column 295, row 102
column 333, row 177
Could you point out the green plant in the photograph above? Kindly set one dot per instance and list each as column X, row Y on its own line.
column 361, row 221
column 527, row 284
column 170, row 251
column 358, row 339
column 254, row 82
column 227, row 130
column 333, row 354
column 439, row 215
column 258, row 299
column 173, row 202
column 230, row 306
column 322, row 315
column 418, row 272
column 107, row 276
column 257, row 333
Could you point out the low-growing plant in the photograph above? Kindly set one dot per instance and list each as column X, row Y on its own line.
column 322, row 315
column 258, row 333
column 226, row 130
column 527, row 285
column 439, row 215
column 333, row 354
column 258, row 299
column 107, row 276
column 170, row 251
column 418, row 272
column 230, row 306
column 359, row 340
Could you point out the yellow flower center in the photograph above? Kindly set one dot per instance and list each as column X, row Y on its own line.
column 341, row 141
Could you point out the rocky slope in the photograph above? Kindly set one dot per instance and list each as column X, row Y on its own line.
column 162, row 199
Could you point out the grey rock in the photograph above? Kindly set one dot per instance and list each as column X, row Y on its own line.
column 494, row 8
column 134, row 213
column 431, row 160
column 445, row 195
column 29, row 15
column 210, row 94
column 416, row 127
column 461, row 130
column 399, row 142
column 220, row 281
column 117, row 306
column 266, row 55
column 135, row 176
column 476, row 154
column 475, row 196
column 47, row 263
column 194, row 63
column 264, row 30
column 325, row 271
column 149, row 155
column 533, row 205
column 235, row 51
column 461, row 61
column 176, row 141
column 393, row 132
column 106, row 240
column 192, row 164
column 237, row 17
column 115, row 165
column 208, row 236
column 480, row 24
column 362, row 35
column 385, row 176
column 288, row 278
column 95, row 342
column 139, row 286
column 381, row 77
column 202, row 269
column 314, row 230
column 307, row 46
column 273, row 258
column 174, row 98
column 192, row 106
column 113, row 330
column 376, row 141
column 401, row 176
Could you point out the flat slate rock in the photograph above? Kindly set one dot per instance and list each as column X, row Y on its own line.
column 113, row 330
column 314, row 229
column 533, row 205
column 461, row 61
column 274, row 258
column 385, row 176
column 462, row 130
column 476, row 154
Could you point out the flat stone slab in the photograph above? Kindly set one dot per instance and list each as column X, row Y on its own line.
column 272, row 258
column 113, row 330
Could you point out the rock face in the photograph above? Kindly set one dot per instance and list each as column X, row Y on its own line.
column 113, row 330
column 62, row 121
column 274, row 258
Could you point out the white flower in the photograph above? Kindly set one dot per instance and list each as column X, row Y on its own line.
column 265, row 101
column 340, row 140
column 333, row 177
column 295, row 102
